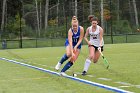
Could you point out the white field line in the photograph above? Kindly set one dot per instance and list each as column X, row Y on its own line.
column 124, row 83
column 138, row 86
column 101, row 78
column 22, row 79
column 114, row 89
column 124, row 86
column 38, row 58
column 106, row 79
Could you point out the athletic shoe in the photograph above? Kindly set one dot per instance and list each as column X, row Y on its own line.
column 84, row 73
column 63, row 74
column 58, row 66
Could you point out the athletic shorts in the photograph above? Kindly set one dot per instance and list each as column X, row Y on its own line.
column 74, row 44
column 96, row 48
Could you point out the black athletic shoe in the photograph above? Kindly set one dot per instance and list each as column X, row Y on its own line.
column 84, row 73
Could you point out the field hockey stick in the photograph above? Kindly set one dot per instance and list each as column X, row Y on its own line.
column 105, row 60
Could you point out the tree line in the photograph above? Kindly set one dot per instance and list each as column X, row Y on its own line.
column 51, row 18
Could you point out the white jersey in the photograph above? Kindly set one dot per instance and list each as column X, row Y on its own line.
column 95, row 37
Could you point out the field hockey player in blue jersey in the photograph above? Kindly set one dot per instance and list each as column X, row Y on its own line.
column 73, row 46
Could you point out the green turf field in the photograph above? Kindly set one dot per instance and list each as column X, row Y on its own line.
column 124, row 70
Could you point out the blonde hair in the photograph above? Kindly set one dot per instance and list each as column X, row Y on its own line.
column 74, row 20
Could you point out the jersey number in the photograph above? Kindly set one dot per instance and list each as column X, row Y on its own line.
column 75, row 39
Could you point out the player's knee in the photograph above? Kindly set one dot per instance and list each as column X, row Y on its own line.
column 91, row 57
column 69, row 54
column 73, row 59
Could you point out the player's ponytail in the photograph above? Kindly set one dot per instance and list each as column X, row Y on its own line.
column 92, row 18
column 74, row 20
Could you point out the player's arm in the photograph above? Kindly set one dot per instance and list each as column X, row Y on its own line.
column 101, row 36
column 86, row 35
column 81, row 36
column 70, row 40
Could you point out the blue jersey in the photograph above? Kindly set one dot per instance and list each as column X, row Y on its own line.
column 75, row 38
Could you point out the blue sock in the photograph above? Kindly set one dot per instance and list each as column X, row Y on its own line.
column 67, row 66
column 64, row 58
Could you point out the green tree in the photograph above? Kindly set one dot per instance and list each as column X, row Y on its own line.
column 13, row 26
column 122, row 27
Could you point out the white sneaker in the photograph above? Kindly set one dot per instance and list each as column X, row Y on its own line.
column 58, row 66
column 63, row 74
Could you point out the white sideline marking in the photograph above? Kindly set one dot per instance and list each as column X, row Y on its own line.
column 90, row 76
column 70, row 77
column 106, row 79
column 138, row 86
column 124, row 83
column 23, row 79
column 124, row 86
column 32, row 63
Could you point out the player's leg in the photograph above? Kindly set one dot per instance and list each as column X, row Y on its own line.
column 77, row 52
column 65, row 56
column 97, row 55
column 72, row 60
column 88, row 60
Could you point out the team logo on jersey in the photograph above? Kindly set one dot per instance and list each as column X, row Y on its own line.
column 95, row 36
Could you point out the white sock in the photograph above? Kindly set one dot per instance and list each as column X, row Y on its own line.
column 87, row 64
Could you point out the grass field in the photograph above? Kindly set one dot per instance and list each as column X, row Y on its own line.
column 124, row 70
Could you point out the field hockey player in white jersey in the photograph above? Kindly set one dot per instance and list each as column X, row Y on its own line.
column 95, row 44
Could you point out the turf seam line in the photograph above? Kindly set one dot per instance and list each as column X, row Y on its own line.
column 114, row 89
